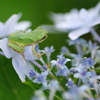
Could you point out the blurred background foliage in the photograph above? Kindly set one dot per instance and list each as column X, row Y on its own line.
column 35, row 11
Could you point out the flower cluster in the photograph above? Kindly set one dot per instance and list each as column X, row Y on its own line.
column 74, row 75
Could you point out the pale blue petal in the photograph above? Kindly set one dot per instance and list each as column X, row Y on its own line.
column 45, row 73
column 79, row 32
column 23, row 25
column 77, row 75
column 44, row 83
column 18, row 69
column 11, row 22
column 54, row 62
column 84, row 15
column 94, row 22
column 54, row 85
column 88, row 74
column 21, row 70
column 29, row 54
column 84, row 88
column 67, row 26
column 94, row 12
column 68, row 60
column 85, row 80
column 6, row 50
column 98, row 77
column 19, row 59
column 35, row 80
column 2, row 30
column 27, row 68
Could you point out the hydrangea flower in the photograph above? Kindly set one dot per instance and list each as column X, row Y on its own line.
column 32, row 73
column 64, row 51
column 80, row 44
column 70, row 83
column 84, row 75
column 29, row 54
column 78, row 41
column 62, row 69
column 77, row 23
column 76, row 59
column 87, row 63
column 61, row 21
column 60, row 62
column 91, row 18
column 62, row 72
column 92, row 49
column 53, row 86
column 12, row 24
column 41, row 78
column 19, row 64
column 77, row 93
column 48, row 51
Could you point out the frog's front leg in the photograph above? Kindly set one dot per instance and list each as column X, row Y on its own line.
column 17, row 48
column 35, row 52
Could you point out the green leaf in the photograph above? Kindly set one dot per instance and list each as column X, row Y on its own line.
column 11, row 88
column 33, row 85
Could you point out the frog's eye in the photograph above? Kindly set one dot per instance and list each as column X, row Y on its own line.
column 42, row 39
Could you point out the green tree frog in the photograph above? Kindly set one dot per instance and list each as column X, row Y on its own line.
column 18, row 40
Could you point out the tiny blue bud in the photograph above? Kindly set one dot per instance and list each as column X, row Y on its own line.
column 32, row 74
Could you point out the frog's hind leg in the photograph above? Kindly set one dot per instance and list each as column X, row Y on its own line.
column 17, row 48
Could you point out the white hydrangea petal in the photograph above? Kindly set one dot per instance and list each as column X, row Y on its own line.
column 68, row 21
column 84, row 88
column 2, row 30
column 44, row 83
column 79, row 32
column 54, row 85
column 28, row 30
column 95, row 22
column 18, row 69
column 85, row 80
column 19, row 59
column 88, row 74
column 77, row 75
column 68, row 60
column 98, row 77
column 45, row 73
column 27, row 68
column 23, row 25
column 6, row 50
column 67, row 26
column 35, row 80
column 21, row 70
column 53, row 62
column 93, row 12
column 84, row 15
column 29, row 54
column 11, row 22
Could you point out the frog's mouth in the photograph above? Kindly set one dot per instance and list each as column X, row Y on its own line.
column 42, row 39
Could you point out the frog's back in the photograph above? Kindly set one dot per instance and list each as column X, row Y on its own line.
column 28, row 38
